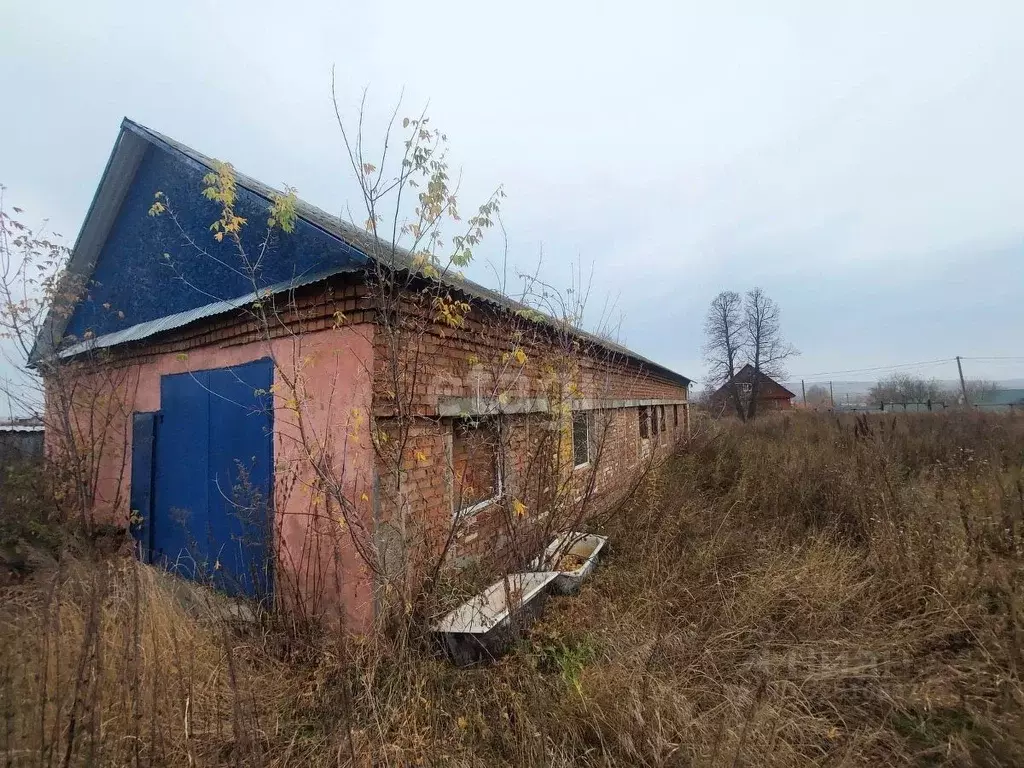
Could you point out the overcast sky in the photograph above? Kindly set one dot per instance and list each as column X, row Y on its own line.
column 861, row 164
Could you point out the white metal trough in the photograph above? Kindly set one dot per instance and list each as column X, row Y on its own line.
column 484, row 626
column 581, row 549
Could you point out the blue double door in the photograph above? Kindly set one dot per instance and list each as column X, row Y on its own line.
column 202, row 469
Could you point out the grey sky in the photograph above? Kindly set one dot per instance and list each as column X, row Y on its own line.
column 862, row 164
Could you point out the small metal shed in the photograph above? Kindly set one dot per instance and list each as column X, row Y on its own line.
column 21, row 440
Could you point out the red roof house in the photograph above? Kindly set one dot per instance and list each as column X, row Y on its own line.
column 771, row 396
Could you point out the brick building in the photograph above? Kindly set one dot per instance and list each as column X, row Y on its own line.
column 771, row 396
column 257, row 454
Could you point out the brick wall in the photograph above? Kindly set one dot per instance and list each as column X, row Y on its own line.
column 496, row 364
column 507, row 368
column 437, row 363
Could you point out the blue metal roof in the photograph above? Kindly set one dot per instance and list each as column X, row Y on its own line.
column 361, row 249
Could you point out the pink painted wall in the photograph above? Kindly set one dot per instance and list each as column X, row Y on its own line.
column 322, row 416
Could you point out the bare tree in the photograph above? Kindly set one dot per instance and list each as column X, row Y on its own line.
column 726, row 343
column 977, row 390
column 907, row 388
column 818, row 396
column 35, row 290
column 744, row 331
column 766, row 348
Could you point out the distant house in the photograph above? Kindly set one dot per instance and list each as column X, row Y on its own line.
column 771, row 396
column 1001, row 400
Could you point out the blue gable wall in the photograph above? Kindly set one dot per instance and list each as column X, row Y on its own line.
column 134, row 277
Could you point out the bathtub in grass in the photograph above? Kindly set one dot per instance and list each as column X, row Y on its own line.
column 573, row 556
column 485, row 626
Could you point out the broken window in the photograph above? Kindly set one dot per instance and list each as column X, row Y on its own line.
column 645, row 422
column 675, row 417
column 654, row 420
column 580, row 438
column 475, row 461
column 661, row 417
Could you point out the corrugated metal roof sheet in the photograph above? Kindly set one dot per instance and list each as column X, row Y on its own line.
column 22, row 428
column 369, row 245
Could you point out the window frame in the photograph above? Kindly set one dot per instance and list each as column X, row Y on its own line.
column 585, row 415
column 644, row 415
column 499, row 478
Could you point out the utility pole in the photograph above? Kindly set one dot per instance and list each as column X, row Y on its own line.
column 831, row 396
column 963, row 386
column 803, row 392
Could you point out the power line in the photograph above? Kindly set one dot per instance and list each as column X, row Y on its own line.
column 992, row 358
column 878, row 368
column 1016, row 364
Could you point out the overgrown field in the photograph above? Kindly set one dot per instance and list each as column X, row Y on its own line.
column 802, row 590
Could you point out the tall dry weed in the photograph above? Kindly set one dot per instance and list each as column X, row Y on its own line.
column 801, row 590
column 113, row 663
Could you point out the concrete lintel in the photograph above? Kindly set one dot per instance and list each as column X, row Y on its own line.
column 603, row 405
column 490, row 406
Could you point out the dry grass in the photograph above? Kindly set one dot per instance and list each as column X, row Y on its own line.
column 112, row 663
column 797, row 591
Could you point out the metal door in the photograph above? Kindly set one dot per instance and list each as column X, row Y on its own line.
column 212, row 478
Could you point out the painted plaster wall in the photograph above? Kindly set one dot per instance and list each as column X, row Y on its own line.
column 323, row 413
